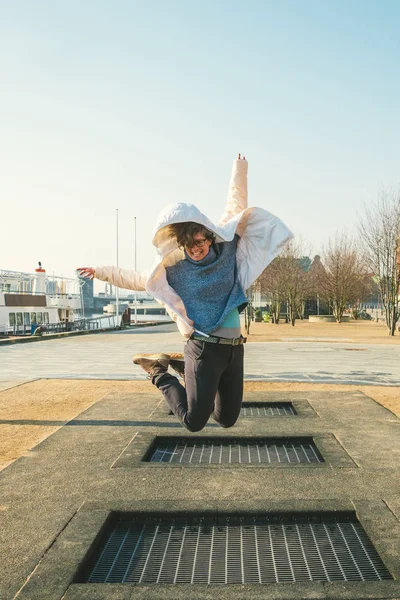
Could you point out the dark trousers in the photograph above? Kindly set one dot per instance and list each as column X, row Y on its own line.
column 213, row 384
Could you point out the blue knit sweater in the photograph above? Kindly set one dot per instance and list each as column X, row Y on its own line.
column 209, row 288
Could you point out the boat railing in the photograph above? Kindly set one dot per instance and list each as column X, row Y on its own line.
column 89, row 324
column 20, row 292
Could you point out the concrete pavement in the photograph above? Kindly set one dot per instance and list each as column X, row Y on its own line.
column 56, row 499
column 109, row 356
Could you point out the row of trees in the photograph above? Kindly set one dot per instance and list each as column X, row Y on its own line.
column 380, row 241
column 350, row 270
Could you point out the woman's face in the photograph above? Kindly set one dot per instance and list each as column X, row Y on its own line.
column 199, row 248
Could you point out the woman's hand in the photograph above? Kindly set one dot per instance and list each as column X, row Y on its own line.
column 86, row 272
column 239, row 157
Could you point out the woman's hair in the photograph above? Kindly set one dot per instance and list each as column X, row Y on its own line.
column 184, row 232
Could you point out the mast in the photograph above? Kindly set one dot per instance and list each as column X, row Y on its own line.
column 116, row 288
column 135, row 270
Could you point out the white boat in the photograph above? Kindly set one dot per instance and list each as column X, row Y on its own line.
column 34, row 299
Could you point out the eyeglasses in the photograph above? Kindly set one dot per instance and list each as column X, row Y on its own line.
column 198, row 243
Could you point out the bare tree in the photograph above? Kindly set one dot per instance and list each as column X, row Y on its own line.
column 380, row 239
column 271, row 284
column 285, row 280
column 316, row 275
column 343, row 279
column 305, row 285
column 249, row 308
column 295, row 279
column 366, row 288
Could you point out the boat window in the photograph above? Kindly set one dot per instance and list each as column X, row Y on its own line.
column 45, row 318
column 19, row 319
column 33, row 318
column 11, row 319
column 27, row 320
column 39, row 318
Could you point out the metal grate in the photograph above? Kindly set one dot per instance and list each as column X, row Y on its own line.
column 229, row 550
column 234, row 451
column 267, row 409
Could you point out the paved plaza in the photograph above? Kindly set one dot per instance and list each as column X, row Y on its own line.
column 109, row 356
column 74, row 457
column 56, row 499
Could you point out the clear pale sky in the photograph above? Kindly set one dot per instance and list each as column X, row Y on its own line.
column 135, row 105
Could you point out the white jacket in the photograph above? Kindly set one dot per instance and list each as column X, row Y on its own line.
column 262, row 237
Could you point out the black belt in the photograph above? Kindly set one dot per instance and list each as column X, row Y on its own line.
column 218, row 340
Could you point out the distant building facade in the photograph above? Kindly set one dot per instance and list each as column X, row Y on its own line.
column 87, row 294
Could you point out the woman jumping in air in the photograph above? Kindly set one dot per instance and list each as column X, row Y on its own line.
column 201, row 275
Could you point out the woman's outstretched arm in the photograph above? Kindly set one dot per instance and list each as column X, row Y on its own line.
column 237, row 192
column 123, row 278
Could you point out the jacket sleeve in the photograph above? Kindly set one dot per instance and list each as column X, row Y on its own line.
column 122, row 278
column 237, row 193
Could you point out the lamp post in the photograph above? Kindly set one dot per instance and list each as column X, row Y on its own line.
column 117, row 289
column 134, row 221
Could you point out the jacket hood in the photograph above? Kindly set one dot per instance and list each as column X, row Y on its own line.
column 182, row 213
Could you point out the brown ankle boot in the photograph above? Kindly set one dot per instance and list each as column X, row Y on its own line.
column 177, row 362
column 153, row 364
